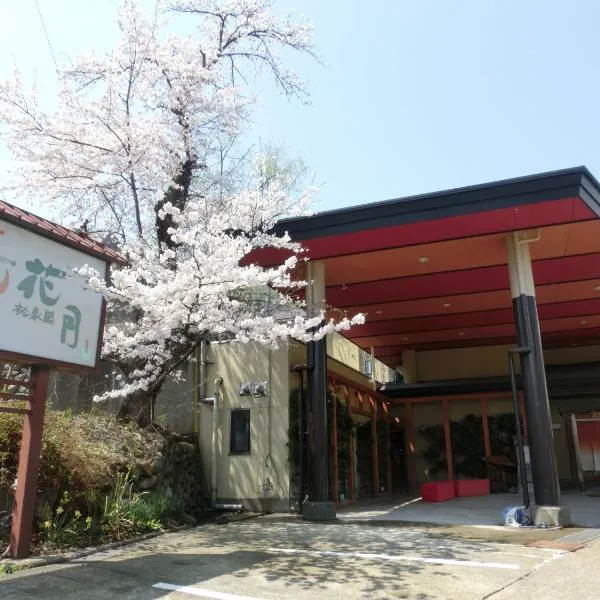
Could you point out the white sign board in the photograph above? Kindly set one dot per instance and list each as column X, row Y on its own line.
column 46, row 311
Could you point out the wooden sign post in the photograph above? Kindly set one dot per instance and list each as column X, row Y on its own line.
column 29, row 462
column 50, row 318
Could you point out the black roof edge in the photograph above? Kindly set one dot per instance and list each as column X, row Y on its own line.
column 565, row 379
column 531, row 189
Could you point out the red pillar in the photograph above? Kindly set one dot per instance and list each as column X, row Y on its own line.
column 29, row 462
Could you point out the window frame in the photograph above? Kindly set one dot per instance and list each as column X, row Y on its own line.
column 232, row 450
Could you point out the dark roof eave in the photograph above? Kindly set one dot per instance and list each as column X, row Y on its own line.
column 577, row 181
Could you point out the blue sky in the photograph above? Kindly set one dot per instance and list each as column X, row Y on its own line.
column 417, row 95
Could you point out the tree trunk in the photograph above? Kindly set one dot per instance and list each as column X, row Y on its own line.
column 138, row 407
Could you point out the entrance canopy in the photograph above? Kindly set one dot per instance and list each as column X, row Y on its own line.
column 431, row 271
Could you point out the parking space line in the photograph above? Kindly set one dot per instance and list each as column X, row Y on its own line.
column 397, row 558
column 200, row 592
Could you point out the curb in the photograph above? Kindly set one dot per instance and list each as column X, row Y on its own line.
column 52, row 559
column 16, row 565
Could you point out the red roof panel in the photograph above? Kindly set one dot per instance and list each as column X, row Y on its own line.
column 64, row 235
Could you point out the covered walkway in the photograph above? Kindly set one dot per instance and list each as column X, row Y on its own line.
column 479, row 511
column 449, row 281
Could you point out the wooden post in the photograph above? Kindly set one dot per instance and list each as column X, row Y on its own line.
column 448, row 437
column 375, row 453
column 29, row 461
column 411, row 449
column 485, row 427
column 335, row 482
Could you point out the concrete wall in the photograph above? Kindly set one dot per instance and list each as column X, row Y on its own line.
column 173, row 408
column 259, row 479
column 348, row 353
column 462, row 363
column 488, row 361
column 174, row 405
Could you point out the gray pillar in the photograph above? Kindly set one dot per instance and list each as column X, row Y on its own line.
column 318, row 507
column 533, row 376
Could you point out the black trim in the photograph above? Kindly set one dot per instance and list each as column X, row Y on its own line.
column 318, row 429
column 578, row 380
column 240, row 446
column 507, row 193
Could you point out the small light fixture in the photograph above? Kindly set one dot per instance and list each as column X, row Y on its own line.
column 447, row 304
column 583, row 322
column 405, row 339
column 424, row 259
column 378, row 312
column 597, row 288
column 462, row 333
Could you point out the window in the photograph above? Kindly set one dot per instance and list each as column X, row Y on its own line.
column 240, row 431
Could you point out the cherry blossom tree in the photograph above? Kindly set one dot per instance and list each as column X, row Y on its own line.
column 134, row 149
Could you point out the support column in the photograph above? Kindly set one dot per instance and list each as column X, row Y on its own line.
column 319, row 506
column 29, row 461
column 335, row 494
column 533, row 376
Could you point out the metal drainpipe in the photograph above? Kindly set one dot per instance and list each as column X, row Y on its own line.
column 215, row 425
column 201, row 380
column 518, row 425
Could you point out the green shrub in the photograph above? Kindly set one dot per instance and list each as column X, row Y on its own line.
column 85, row 492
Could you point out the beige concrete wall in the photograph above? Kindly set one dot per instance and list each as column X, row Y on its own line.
column 341, row 349
column 260, row 478
column 348, row 353
column 462, row 363
column 488, row 361
column 573, row 354
column 174, row 403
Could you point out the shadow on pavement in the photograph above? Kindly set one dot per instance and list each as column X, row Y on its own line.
column 244, row 556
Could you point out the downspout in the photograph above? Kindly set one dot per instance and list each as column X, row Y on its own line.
column 518, row 425
column 200, row 384
column 202, row 371
column 215, row 425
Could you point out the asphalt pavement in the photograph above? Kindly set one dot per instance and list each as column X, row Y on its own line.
column 267, row 559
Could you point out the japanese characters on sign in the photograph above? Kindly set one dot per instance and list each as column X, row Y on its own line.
column 46, row 311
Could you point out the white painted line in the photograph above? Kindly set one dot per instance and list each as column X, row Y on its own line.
column 390, row 557
column 202, row 593
column 409, row 502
